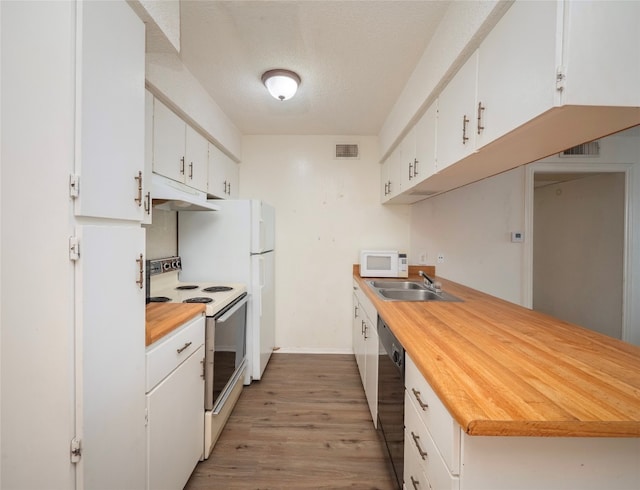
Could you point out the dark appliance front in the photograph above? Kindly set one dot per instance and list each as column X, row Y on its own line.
column 391, row 398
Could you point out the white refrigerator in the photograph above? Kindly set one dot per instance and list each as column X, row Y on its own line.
column 236, row 244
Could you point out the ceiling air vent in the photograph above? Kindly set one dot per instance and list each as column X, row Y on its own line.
column 591, row 149
column 344, row 151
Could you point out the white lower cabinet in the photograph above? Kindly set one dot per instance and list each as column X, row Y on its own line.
column 365, row 347
column 175, row 406
column 440, row 456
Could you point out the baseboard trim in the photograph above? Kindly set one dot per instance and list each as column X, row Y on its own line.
column 312, row 350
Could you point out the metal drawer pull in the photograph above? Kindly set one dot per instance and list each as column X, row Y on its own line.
column 187, row 344
column 139, row 179
column 422, row 404
column 140, row 281
column 465, row 138
column 423, row 454
column 415, row 483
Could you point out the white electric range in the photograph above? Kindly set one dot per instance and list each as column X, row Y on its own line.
column 225, row 337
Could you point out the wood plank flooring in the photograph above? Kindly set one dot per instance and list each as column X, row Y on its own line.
column 306, row 424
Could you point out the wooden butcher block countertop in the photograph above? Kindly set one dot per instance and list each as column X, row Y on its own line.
column 163, row 318
column 501, row 369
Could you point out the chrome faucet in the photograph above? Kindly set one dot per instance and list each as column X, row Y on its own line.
column 430, row 284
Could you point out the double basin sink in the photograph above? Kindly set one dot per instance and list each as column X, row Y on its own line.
column 390, row 290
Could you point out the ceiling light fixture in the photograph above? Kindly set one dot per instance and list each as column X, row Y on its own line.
column 282, row 84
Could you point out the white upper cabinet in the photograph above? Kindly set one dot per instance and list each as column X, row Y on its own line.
column 109, row 111
column 516, row 70
column 223, row 175
column 549, row 76
column 179, row 152
column 196, row 154
column 390, row 179
column 456, row 116
column 601, row 53
column 425, row 145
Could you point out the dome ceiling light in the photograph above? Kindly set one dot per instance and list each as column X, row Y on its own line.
column 282, row 84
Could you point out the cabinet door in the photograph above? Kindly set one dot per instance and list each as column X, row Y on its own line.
column 358, row 337
column 110, row 110
column 371, row 362
column 196, row 164
column 110, row 357
column 407, row 160
column 456, row 116
column 176, row 425
column 425, row 135
column 233, row 178
column 148, row 156
column 169, row 132
column 390, row 176
column 606, row 72
column 516, row 70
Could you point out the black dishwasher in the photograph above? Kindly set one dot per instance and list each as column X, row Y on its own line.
column 391, row 397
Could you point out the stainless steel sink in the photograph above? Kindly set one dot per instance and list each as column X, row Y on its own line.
column 397, row 285
column 415, row 295
column 390, row 290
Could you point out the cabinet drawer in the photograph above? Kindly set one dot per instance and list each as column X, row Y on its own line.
column 366, row 304
column 422, row 454
column 414, row 476
column 443, row 429
column 165, row 355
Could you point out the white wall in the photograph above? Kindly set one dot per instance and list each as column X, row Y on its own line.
column 471, row 227
column 326, row 211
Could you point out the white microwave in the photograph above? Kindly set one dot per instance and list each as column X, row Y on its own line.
column 383, row 263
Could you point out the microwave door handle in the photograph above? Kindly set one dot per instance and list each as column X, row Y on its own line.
column 231, row 311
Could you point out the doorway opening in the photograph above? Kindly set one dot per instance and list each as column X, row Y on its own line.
column 579, row 248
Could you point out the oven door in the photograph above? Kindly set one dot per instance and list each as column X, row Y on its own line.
column 225, row 352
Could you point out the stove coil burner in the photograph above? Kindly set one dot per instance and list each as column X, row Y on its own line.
column 217, row 289
column 159, row 299
column 186, row 287
column 198, row 299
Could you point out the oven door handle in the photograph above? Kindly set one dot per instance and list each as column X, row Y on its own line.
column 232, row 310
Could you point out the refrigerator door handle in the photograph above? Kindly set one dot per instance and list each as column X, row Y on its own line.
column 261, row 280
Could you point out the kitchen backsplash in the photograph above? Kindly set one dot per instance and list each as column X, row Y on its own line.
column 162, row 235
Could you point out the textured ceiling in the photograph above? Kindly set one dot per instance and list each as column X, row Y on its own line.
column 354, row 58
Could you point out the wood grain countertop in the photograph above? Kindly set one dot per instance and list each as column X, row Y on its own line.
column 504, row 370
column 163, row 318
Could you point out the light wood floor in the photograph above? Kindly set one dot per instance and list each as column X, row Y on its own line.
column 306, row 424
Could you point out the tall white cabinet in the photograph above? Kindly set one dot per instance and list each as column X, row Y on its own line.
column 72, row 278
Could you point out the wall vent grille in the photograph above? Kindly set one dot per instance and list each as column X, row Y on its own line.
column 347, row 151
column 591, row 149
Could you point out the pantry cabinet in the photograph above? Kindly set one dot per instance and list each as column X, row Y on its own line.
column 108, row 179
column 179, row 152
column 223, row 174
column 110, row 368
column 175, row 401
column 365, row 347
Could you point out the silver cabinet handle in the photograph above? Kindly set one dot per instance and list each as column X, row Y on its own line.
column 410, row 170
column 415, row 483
column 182, row 165
column 191, row 170
column 181, row 349
column 465, row 121
column 147, row 203
column 138, row 199
column 422, row 404
column 423, row 454
column 415, row 167
column 140, row 281
column 480, row 111
column 355, row 312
